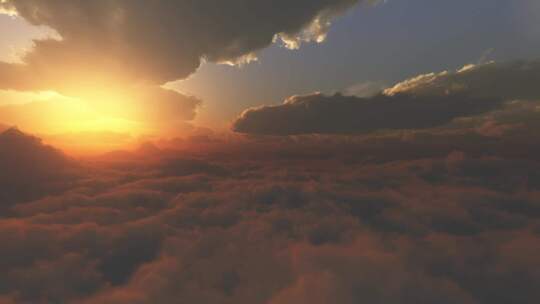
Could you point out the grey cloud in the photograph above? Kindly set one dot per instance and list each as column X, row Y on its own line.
column 423, row 102
column 338, row 114
column 507, row 81
column 119, row 39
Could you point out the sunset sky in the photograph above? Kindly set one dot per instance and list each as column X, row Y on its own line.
column 269, row 151
column 109, row 81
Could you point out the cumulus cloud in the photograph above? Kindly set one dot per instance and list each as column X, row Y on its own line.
column 338, row 114
column 445, row 216
column 508, row 81
column 118, row 38
column 439, row 215
column 422, row 102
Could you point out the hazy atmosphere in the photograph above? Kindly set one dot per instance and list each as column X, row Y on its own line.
column 272, row 152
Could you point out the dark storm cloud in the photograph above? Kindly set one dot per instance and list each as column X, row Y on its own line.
column 160, row 41
column 422, row 102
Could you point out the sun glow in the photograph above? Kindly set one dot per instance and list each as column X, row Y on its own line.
column 94, row 121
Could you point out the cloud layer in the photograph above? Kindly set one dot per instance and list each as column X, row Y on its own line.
column 438, row 216
column 422, row 102
column 443, row 207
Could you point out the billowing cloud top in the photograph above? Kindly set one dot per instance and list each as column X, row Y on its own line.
column 160, row 41
column 440, row 215
column 29, row 168
column 426, row 217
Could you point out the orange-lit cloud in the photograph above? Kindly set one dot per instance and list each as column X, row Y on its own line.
column 427, row 192
column 445, row 216
column 79, row 120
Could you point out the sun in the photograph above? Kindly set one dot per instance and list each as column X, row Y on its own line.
column 87, row 122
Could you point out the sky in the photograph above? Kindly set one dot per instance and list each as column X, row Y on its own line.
column 368, row 47
column 269, row 152
column 384, row 44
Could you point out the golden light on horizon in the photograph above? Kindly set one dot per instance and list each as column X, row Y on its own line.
column 87, row 102
column 79, row 97
column 92, row 122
